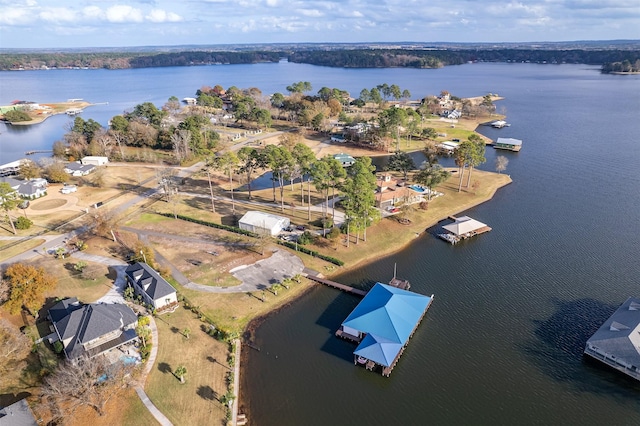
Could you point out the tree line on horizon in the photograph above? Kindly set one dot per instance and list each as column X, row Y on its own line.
column 349, row 58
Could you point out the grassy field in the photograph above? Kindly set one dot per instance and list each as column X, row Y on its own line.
column 196, row 401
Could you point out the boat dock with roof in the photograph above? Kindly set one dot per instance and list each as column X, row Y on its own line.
column 462, row 228
column 382, row 324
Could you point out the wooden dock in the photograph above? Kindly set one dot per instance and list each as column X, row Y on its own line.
column 345, row 288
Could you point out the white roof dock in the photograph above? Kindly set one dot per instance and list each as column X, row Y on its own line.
column 464, row 225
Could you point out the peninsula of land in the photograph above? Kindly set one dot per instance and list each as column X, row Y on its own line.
column 26, row 113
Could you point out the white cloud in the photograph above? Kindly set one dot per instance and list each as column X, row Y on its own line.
column 311, row 13
column 123, row 13
column 93, row 13
column 14, row 16
column 159, row 16
column 58, row 15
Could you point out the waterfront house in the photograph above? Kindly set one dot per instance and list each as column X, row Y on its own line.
column 344, row 159
column 508, row 144
column 263, row 223
column 153, row 289
column 88, row 330
column 382, row 324
column 17, row 414
column 617, row 341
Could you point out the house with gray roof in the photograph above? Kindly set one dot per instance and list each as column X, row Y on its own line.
column 17, row 414
column 31, row 189
column 154, row 289
column 88, row 330
column 77, row 169
column 617, row 341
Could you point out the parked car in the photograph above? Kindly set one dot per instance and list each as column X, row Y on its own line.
column 300, row 228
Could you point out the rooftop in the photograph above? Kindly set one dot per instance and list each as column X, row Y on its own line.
column 388, row 316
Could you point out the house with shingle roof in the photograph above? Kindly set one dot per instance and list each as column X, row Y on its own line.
column 31, row 189
column 617, row 341
column 77, row 169
column 17, row 414
column 88, row 330
column 154, row 289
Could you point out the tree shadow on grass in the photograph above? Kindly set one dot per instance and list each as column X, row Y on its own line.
column 207, row 393
column 164, row 368
column 559, row 345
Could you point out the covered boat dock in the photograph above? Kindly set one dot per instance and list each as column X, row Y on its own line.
column 382, row 324
column 462, row 228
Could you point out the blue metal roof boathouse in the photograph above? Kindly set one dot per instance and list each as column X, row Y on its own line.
column 382, row 324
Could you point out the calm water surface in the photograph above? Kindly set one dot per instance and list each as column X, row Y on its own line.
column 502, row 342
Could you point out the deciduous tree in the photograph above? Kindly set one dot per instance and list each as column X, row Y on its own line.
column 501, row 163
column 27, row 286
column 14, row 346
column 88, row 382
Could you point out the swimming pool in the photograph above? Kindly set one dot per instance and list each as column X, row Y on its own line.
column 418, row 188
column 128, row 360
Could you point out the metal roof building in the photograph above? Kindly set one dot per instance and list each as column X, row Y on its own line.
column 383, row 322
column 617, row 341
column 261, row 222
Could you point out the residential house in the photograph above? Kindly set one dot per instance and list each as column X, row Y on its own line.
column 17, row 414
column 77, row 169
column 88, row 330
column 154, row 289
column 617, row 341
column 261, row 223
column 31, row 189
column 344, row 159
column 391, row 192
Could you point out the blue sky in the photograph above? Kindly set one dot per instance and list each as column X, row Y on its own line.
column 104, row 23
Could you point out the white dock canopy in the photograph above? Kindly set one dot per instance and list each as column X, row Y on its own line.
column 463, row 225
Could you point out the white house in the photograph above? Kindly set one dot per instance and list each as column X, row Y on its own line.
column 94, row 160
column 77, row 169
column 154, row 289
column 260, row 222
column 31, row 189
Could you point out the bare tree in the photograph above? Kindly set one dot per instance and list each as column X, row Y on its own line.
column 501, row 163
column 180, row 143
column 88, row 382
column 14, row 346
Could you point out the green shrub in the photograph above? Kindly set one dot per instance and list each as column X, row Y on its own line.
column 57, row 346
column 23, row 223
column 16, row 116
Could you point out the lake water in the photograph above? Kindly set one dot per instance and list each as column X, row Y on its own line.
column 503, row 340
